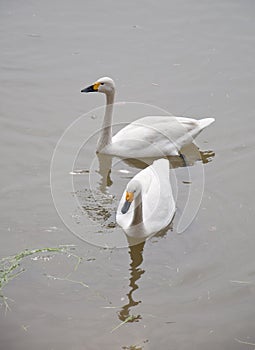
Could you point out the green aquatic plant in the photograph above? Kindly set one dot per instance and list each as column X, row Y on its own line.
column 136, row 346
column 10, row 266
column 130, row 318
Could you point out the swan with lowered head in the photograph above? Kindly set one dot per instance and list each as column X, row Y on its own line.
column 147, row 205
column 152, row 136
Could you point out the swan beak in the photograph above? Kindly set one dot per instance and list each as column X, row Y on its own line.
column 129, row 199
column 125, row 207
column 91, row 88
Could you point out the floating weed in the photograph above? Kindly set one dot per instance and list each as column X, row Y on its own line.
column 244, row 342
column 10, row 266
column 135, row 347
column 24, row 327
column 68, row 280
column 130, row 318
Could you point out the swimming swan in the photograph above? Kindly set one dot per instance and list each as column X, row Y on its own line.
column 147, row 205
column 152, row 136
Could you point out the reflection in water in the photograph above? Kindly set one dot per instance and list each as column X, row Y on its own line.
column 207, row 156
column 191, row 155
column 136, row 255
column 100, row 205
column 105, row 165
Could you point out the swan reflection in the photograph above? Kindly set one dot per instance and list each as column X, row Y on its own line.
column 105, row 190
column 191, row 155
column 105, row 167
column 136, row 255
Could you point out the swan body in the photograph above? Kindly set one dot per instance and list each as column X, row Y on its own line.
column 153, row 136
column 147, row 205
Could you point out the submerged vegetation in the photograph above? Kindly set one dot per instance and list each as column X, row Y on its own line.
column 10, row 266
column 99, row 207
column 135, row 347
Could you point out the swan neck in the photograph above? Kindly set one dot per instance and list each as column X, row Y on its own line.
column 138, row 210
column 106, row 131
column 110, row 99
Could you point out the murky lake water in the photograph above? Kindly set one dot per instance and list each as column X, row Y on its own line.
column 193, row 290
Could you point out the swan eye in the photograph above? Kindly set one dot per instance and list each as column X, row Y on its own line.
column 102, row 83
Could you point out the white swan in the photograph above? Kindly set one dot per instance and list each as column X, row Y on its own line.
column 154, row 136
column 147, row 205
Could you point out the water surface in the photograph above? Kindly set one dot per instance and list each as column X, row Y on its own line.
column 193, row 290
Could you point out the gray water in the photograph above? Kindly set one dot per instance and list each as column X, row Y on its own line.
column 193, row 290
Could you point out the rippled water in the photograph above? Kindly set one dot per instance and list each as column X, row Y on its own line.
column 193, row 290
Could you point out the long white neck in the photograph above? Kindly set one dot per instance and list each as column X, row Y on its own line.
column 106, row 131
column 138, row 210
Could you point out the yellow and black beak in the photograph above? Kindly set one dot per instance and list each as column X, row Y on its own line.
column 128, row 201
column 91, row 88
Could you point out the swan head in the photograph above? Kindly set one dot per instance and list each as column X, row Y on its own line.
column 105, row 85
column 132, row 191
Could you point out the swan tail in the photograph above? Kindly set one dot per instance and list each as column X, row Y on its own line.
column 203, row 123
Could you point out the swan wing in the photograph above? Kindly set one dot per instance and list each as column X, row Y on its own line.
column 156, row 136
column 158, row 202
